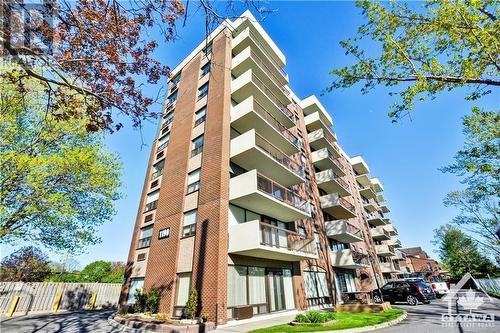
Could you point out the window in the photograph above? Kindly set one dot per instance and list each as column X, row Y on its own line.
column 193, row 181
column 135, row 283
column 197, row 145
column 141, row 257
column 167, row 119
column 183, row 286
column 173, row 97
column 148, row 218
column 236, row 285
column 301, row 231
column 345, row 282
column 152, row 200
column 338, row 246
column 208, row 49
column 200, row 116
column 189, row 223
column 256, row 285
column 163, row 142
column 316, row 239
column 203, row 91
column 145, row 237
column 158, row 169
column 205, row 69
column 175, row 81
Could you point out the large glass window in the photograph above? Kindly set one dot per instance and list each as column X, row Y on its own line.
column 152, row 200
column 205, row 69
column 189, row 223
column 163, row 141
column 145, row 237
column 200, row 116
column 167, row 119
column 183, row 286
column 193, row 182
column 257, row 285
column 173, row 97
column 197, row 145
column 135, row 283
column 236, row 285
column 203, row 91
column 236, row 215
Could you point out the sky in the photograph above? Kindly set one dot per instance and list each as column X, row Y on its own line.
column 406, row 156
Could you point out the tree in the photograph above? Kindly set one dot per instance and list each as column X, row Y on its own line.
column 57, row 181
column 117, row 274
column 27, row 264
column 478, row 166
column 192, row 304
column 442, row 46
column 96, row 271
column 460, row 254
column 96, row 51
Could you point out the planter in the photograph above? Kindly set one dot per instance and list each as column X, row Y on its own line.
column 326, row 323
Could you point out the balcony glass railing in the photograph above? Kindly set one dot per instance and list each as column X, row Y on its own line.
column 269, row 72
column 278, row 155
column 144, row 242
column 256, row 40
column 274, row 236
column 276, row 124
column 282, row 107
column 281, row 193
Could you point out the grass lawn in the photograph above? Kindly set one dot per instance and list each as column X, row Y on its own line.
column 344, row 321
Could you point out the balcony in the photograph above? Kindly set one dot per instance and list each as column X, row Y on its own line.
column 266, row 52
column 317, row 120
column 251, row 114
column 376, row 185
column 391, row 229
column 249, row 59
column 394, row 242
column 343, row 231
column 379, row 233
column 324, row 160
column 385, row 250
column 323, row 139
column 359, row 165
column 262, row 240
column 384, row 208
column 370, row 205
column 258, row 193
column 349, row 258
column 331, row 183
column 251, row 151
column 367, row 192
column 388, row 267
column 376, row 219
column 363, row 180
column 248, row 84
column 338, row 207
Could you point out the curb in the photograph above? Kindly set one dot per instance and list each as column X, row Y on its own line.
column 373, row 327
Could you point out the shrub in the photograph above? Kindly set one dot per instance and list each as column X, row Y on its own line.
column 192, row 304
column 315, row 317
column 153, row 300
column 140, row 301
column 163, row 316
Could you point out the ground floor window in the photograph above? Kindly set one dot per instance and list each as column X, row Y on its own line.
column 265, row 289
column 135, row 283
column 317, row 290
column 183, row 287
column 345, row 282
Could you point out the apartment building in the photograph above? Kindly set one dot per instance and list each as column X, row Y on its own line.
column 248, row 197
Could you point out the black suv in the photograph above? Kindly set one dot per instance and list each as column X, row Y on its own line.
column 409, row 291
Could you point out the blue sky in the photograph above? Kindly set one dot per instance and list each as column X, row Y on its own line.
column 405, row 156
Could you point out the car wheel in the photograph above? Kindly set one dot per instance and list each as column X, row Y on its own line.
column 377, row 299
column 411, row 300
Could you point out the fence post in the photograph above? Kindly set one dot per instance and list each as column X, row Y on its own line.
column 57, row 300
column 93, row 298
column 13, row 306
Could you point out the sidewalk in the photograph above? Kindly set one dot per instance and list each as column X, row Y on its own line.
column 255, row 323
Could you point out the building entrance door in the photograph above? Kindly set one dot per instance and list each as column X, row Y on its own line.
column 276, row 290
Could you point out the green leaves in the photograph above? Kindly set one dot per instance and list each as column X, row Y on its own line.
column 57, row 181
column 424, row 51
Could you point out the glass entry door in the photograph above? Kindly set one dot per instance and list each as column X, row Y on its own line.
column 276, row 290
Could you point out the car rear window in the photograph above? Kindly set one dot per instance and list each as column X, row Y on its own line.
column 421, row 284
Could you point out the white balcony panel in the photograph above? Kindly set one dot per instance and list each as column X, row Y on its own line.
column 379, row 233
column 343, row 231
column 324, row 160
column 363, row 180
column 391, row 229
column 316, row 120
column 394, row 242
column 248, row 84
column 322, row 139
column 250, row 114
column 337, row 207
column 331, row 183
column 384, row 250
column 259, row 240
column 349, row 259
column 384, row 208
column 359, row 165
column 251, row 151
column 367, row 192
column 249, row 191
column 376, row 220
column 388, row 267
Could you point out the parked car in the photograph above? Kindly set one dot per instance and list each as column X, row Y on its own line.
column 439, row 287
column 409, row 291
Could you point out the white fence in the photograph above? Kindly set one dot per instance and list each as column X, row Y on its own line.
column 489, row 284
column 43, row 296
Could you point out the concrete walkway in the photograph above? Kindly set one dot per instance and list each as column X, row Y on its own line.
column 254, row 323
